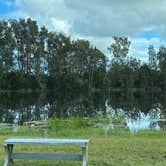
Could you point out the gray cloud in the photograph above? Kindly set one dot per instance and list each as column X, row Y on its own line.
column 98, row 17
column 99, row 20
column 116, row 17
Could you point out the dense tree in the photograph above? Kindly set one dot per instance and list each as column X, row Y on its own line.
column 152, row 57
column 59, row 48
column 31, row 57
column 119, row 48
column 87, row 61
column 6, row 48
column 161, row 55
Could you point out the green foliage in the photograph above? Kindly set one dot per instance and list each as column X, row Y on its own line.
column 120, row 47
column 143, row 148
column 39, row 59
column 72, row 123
column 34, row 58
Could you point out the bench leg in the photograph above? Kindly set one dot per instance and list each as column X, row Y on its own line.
column 84, row 155
column 8, row 150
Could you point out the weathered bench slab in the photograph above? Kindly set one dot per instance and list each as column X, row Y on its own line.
column 10, row 156
column 34, row 156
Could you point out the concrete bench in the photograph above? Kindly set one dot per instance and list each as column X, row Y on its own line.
column 10, row 156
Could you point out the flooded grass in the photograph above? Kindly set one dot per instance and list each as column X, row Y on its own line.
column 118, row 148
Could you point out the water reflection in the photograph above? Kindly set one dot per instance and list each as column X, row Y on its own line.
column 141, row 123
column 137, row 120
column 136, row 111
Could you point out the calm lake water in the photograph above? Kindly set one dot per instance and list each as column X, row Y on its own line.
column 132, row 111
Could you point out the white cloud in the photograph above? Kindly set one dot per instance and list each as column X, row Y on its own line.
column 139, row 47
column 99, row 18
column 60, row 25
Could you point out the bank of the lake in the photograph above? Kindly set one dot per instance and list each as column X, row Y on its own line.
column 117, row 148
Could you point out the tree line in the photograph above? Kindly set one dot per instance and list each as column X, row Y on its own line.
column 130, row 73
column 31, row 57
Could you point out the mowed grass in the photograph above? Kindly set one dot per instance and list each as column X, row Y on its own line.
column 117, row 148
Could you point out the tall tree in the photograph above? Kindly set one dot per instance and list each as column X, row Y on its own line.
column 40, row 57
column 119, row 48
column 87, row 61
column 20, row 36
column 6, row 48
column 152, row 57
column 59, row 47
column 161, row 55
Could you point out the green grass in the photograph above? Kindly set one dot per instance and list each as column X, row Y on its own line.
column 118, row 148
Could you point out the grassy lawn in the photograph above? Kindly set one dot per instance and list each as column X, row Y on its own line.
column 118, row 148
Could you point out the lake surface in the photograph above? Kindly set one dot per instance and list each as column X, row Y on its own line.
column 134, row 111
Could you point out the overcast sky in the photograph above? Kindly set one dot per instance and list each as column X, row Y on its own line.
column 143, row 21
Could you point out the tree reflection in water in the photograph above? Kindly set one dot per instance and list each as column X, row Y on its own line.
column 136, row 111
